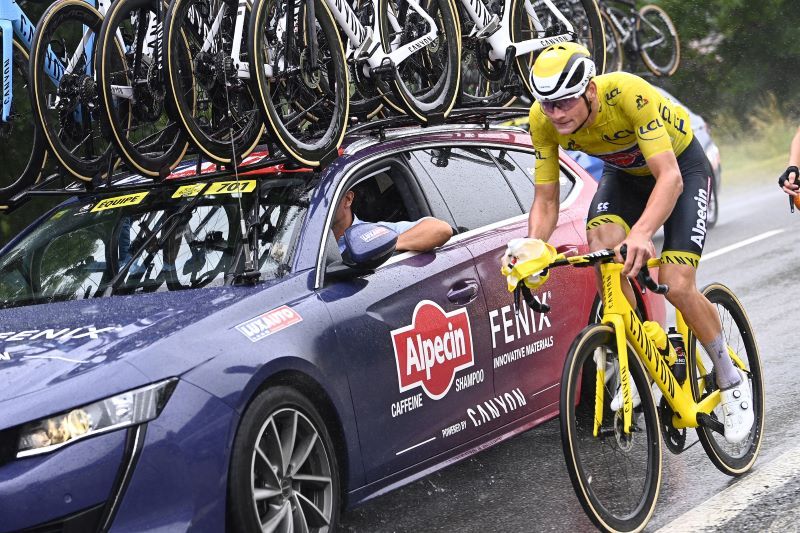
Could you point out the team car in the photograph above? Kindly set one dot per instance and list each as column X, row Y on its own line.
column 197, row 353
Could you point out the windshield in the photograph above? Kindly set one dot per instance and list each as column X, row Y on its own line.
column 165, row 239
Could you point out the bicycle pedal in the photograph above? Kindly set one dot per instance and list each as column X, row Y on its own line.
column 386, row 68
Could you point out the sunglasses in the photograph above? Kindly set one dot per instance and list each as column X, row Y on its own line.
column 564, row 104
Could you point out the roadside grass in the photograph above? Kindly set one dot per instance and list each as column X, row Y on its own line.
column 755, row 150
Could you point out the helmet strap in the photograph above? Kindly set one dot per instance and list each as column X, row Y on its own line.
column 589, row 108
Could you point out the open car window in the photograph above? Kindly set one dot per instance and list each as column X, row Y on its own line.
column 170, row 238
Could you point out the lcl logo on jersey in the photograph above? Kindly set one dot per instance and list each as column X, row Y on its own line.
column 432, row 349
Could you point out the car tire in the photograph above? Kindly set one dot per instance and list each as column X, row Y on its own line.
column 267, row 488
column 713, row 206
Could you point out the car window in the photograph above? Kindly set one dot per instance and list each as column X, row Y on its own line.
column 169, row 238
column 476, row 192
column 526, row 170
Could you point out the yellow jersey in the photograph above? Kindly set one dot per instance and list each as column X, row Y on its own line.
column 634, row 122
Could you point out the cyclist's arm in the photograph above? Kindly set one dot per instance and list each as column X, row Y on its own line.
column 543, row 217
column 794, row 150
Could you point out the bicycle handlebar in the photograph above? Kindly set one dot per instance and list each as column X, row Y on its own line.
column 644, row 275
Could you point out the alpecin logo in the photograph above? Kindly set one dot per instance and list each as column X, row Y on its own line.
column 432, row 349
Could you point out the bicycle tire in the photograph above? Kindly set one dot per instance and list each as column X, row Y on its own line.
column 428, row 81
column 22, row 145
column 311, row 136
column 732, row 460
column 584, row 15
column 658, row 65
column 72, row 128
column 149, row 139
column 227, row 125
column 627, row 503
column 615, row 50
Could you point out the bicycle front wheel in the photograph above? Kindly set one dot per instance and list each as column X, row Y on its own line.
column 732, row 459
column 616, row 476
column 22, row 146
column 213, row 101
column 658, row 41
column 132, row 89
column 64, row 95
column 584, row 15
column 427, row 81
column 300, row 77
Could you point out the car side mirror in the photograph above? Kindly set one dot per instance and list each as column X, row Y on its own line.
column 366, row 247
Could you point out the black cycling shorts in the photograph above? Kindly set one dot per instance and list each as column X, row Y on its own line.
column 621, row 199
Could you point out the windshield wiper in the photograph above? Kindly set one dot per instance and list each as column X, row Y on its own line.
column 173, row 219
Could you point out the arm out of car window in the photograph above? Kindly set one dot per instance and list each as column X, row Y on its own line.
column 425, row 236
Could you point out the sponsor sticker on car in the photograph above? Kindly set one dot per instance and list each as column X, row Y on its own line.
column 432, row 349
column 120, row 201
column 268, row 323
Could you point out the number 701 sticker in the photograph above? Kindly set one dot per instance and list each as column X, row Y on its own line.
column 218, row 187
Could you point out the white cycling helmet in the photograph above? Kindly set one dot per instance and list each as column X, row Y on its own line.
column 562, row 71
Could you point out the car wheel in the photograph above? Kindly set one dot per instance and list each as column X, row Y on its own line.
column 283, row 474
column 713, row 207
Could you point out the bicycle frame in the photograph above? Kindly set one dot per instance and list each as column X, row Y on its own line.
column 14, row 21
column 629, row 330
column 500, row 37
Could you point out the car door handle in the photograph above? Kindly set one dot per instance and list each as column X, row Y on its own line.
column 463, row 293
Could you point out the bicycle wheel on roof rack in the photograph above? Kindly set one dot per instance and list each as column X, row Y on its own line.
column 214, row 101
column 63, row 89
column 584, row 15
column 304, row 99
column 22, row 145
column 658, row 41
column 150, row 140
column 427, row 82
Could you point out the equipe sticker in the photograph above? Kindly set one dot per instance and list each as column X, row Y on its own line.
column 432, row 349
column 120, row 201
column 270, row 322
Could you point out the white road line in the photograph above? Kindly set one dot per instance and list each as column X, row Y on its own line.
column 746, row 242
column 416, row 445
column 726, row 505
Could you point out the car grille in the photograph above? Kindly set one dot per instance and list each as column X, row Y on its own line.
column 80, row 522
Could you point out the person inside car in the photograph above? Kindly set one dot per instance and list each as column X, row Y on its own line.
column 655, row 174
column 789, row 181
column 421, row 235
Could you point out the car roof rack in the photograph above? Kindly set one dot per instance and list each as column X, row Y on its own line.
column 485, row 116
column 59, row 184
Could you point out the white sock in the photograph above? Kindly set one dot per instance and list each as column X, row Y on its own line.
column 727, row 376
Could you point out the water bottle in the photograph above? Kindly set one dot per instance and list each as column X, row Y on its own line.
column 679, row 368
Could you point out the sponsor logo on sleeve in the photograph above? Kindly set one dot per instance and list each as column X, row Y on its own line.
column 268, row 323
column 432, row 349
column 120, row 201
column 641, row 101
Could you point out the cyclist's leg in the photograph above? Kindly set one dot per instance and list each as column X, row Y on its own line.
column 618, row 203
column 684, row 237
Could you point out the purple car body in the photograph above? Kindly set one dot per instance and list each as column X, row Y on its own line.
column 410, row 367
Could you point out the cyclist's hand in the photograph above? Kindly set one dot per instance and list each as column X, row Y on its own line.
column 789, row 182
column 526, row 259
column 640, row 249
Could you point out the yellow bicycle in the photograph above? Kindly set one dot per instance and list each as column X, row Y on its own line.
column 614, row 457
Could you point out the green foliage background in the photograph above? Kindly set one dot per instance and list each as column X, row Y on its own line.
column 736, row 53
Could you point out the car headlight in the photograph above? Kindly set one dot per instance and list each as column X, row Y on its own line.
column 117, row 412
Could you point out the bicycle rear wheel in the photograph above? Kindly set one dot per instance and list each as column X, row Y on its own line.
column 148, row 139
column 658, row 41
column 584, row 15
column 731, row 459
column 306, row 105
column 616, row 476
column 215, row 105
column 426, row 82
column 22, row 145
column 64, row 91
column 615, row 50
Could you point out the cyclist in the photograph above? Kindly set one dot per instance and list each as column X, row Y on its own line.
column 789, row 181
column 655, row 173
